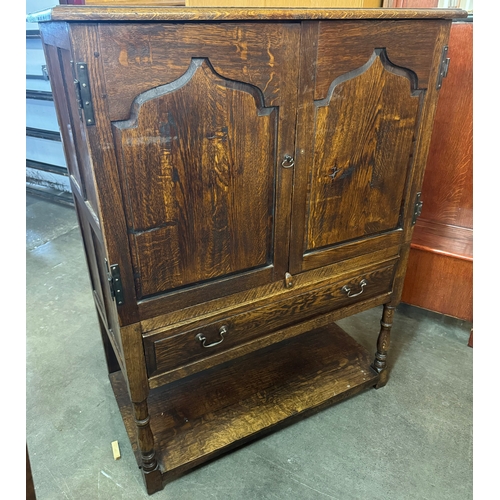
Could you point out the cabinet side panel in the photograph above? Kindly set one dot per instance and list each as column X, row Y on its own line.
column 54, row 56
column 100, row 144
column 96, row 262
column 60, row 66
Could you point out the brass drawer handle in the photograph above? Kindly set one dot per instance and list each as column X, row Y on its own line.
column 202, row 339
column 347, row 290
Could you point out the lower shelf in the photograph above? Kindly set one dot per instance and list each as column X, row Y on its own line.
column 197, row 418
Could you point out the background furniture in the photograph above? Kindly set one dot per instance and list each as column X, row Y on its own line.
column 439, row 276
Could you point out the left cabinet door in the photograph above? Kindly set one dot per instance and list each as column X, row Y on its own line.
column 198, row 119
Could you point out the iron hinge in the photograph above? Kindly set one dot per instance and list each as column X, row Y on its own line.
column 417, row 209
column 83, row 94
column 443, row 67
column 115, row 283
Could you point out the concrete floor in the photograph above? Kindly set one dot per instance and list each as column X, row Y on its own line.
column 410, row 440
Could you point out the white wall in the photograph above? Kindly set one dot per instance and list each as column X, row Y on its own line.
column 41, row 114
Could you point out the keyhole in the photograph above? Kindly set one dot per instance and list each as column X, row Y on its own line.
column 334, row 172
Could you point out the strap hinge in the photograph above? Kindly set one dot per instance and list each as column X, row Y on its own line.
column 417, row 209
column 83, row 94
column 443, row 67
column 115, row 283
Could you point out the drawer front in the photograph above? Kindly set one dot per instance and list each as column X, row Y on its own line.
column 174, row 349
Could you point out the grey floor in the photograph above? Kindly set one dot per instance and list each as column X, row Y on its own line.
column 410, row 440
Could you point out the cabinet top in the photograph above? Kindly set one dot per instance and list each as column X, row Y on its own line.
column 138, row 14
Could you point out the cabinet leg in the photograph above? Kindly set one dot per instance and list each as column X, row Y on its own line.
column 383, row 344
column 145, row 440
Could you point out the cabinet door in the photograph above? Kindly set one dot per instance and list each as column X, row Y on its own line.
column 199, row 133
column 363, row 88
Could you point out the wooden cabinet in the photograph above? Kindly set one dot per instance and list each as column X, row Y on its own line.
column 243, row 178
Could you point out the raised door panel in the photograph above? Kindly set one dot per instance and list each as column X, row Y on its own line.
column 364, row 137
column 197, row 160
column 356, row 140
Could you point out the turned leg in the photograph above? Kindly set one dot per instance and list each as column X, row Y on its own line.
column 383, row 343
column 145, row 441
column 145, row 438
column 136, row 375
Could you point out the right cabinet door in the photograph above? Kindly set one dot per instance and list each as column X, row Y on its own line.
column 362, row 91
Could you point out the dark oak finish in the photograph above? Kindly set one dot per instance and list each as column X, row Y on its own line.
column 188, row 217
column 216, row 410
column 179, row 347
column 383, row 344
column 138, row 14
column 241, row 185
column 341, row 178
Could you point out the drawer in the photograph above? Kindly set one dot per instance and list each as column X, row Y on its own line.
column 167, row 351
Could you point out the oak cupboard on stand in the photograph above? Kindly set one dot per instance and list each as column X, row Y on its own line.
column 243, row 178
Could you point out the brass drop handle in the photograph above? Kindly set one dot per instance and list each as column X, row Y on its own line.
column 347, row 290
column 203, row 340
column 288, row 161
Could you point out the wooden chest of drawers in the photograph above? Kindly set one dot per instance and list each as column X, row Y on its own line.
column 242, row 178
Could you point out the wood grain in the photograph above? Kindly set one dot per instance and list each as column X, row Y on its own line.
column 264, row 341
column 363, row 142
column 174, row 349
column 424, row 133
column 135, row 57
column 84, row 39
column 284, row 3
column 337, row 204
column 255, row 55
column 419, row 4
column 194, row 203
column 451, row 241
column 446, row 288
column 135, row 366
column 216, row 410
column 200, row 198
column 105, row 13
column 447, row 188
column 168, row 315
column 338, row 58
